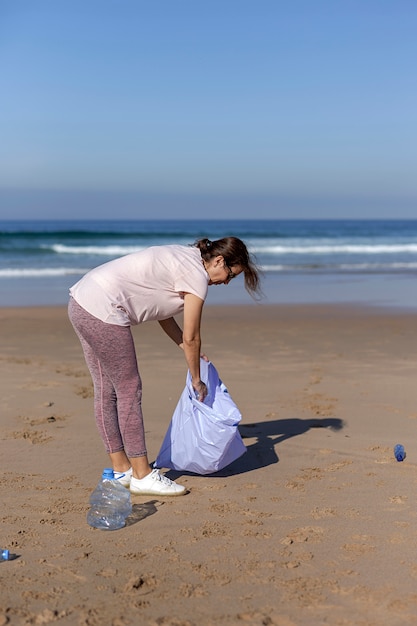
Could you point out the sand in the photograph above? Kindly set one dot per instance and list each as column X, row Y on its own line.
column 315, row 524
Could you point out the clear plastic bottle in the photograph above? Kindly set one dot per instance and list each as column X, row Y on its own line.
column 399, row 452
column 110, row 503
column 5, row 555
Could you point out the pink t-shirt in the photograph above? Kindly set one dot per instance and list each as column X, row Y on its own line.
column 143, row 286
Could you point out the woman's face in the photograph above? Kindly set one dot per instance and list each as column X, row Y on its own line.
column 219, row 272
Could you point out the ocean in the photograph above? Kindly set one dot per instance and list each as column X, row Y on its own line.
column 372, row 262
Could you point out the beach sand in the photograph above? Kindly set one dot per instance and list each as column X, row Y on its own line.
column 315, row 524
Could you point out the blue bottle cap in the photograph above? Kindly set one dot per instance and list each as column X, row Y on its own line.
column 5, row 555
column 108, row 473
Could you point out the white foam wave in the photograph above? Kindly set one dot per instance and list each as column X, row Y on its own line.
column 343, row 267
column 273, row 268
column 26, row 272
column 378, row 266
column 257, row 248
column 29, row 272
column 340, row 249
column 94, row 250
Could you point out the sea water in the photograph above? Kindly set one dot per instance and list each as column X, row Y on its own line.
column 303, row 261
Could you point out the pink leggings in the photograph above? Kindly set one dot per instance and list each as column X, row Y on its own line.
column 110, row 355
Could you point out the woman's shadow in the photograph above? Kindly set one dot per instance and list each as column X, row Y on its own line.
column 262, row 453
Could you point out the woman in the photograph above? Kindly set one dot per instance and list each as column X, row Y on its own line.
column 153, row 284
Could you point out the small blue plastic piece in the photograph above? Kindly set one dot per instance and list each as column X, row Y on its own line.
column 399, row 452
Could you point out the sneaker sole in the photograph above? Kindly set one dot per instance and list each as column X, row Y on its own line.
column 125, row 481
column 149, row 492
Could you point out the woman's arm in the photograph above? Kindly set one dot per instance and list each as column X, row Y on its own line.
column 172, row 329
column 189, row 339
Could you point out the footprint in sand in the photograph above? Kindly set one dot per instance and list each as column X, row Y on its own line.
column 140, row 584
column 36, row 386
column 318, row 513
column 255, row 617
column 223, row 508
column 303, row 557
column 313, row 473
column 215, row 529
column 313, row 534
column 337, row 466
column 361, row 544
column 399, row 499
column 69, row 371
column 44, row 420
column 33, row 436
column 321, row 405
column 187, row 590
column 85, row 391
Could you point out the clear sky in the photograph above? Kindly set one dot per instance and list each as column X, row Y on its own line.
column 219, row 108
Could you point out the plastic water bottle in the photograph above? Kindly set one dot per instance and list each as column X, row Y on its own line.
column 399, row 452
column 5, row 555
column 110, row 503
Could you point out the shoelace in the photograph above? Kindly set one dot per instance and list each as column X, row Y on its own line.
column 163, row 479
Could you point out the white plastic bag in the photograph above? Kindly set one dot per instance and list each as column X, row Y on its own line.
column 203, row 436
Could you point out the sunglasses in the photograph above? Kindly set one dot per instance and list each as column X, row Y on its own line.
column 230, row 274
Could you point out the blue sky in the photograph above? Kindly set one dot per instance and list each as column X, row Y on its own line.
column 227, row 108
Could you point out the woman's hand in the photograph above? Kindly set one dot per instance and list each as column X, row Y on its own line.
column 201, row 390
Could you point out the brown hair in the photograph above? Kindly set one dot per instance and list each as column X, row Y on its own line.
column 234, row 252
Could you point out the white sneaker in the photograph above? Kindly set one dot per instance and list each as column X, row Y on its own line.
column 124, row 478
column 155, row 484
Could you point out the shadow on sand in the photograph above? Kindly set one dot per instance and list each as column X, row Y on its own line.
column 141, row 511
column 262, row 453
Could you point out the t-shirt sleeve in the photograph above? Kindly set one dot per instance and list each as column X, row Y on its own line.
column 190, row 283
